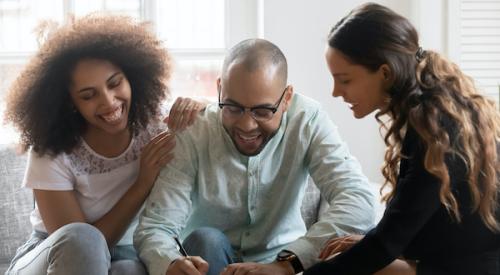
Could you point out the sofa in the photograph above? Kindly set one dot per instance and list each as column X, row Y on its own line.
column 16, row 203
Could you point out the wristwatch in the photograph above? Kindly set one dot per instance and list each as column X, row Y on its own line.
column 289, row 256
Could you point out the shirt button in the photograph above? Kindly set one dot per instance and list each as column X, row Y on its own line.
column 252, row 208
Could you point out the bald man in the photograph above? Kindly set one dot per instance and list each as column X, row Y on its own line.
column 234, row 189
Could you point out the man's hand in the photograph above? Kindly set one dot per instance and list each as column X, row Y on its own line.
column 192, row 265
column 276, row 268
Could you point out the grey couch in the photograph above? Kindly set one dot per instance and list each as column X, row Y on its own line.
column 16, row 204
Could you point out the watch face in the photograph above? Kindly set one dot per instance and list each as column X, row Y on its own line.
column 284, row 255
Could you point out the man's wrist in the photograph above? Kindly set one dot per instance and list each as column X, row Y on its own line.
column 287, row 266
column 291, row 259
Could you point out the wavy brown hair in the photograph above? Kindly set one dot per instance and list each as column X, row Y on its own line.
column 39, row 103
column 427, row 89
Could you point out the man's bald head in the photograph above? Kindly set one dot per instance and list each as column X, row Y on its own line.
column 257, row 54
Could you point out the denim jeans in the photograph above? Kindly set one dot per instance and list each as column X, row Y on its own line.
column 213, row 246
column 76, row 248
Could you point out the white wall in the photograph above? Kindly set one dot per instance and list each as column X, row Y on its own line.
column 300, row 28
column 430, row 17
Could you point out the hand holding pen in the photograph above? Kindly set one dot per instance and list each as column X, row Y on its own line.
column 191, row 265
column 181, row 248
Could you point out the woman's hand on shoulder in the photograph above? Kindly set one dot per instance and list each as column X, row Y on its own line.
column 154, row 156
column 183, row 113
column 339, row 245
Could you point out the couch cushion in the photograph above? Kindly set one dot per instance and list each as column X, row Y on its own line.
column 16, row 204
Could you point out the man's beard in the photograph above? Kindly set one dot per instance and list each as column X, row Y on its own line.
column 262, row 145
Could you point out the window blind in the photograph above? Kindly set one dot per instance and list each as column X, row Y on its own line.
column 479, row 43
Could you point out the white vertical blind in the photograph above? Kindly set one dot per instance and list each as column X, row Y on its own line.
column 479, row 43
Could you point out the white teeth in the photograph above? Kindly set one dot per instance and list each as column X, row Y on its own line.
column 114, row 116
column 251, row 138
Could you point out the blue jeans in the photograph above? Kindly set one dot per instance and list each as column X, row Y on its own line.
column 76, row 248
column 213, row 246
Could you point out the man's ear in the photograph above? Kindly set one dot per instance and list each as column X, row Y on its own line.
column 288, row 98
column 219, row 87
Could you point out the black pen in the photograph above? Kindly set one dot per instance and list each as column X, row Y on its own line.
column 181, row 249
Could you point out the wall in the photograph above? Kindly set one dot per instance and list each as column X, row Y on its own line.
column 430, row 17
column 300, row 29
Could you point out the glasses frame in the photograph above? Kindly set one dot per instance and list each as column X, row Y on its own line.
column 251, row 110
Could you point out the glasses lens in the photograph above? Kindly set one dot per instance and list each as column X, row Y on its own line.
column 262, row 114
column 231, row 111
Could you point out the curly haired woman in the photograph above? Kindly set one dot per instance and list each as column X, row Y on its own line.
column 87, row 106
column 441, row 161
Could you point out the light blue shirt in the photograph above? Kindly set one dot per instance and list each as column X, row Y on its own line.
column 255, row 200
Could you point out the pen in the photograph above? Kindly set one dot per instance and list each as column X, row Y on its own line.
column 181, row 249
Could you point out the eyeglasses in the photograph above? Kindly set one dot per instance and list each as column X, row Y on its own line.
column 258, row 113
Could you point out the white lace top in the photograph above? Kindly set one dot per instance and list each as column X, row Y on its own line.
column 99, row 182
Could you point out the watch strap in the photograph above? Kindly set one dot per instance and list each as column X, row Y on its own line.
column 293, row 260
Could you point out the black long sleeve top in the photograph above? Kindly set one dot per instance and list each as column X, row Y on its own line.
column 417, row 226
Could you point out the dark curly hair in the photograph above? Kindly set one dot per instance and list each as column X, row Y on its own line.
column 39, row 103
column 427, row 89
